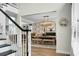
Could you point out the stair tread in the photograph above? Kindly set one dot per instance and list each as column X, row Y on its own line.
column 4, row 45
column 7, row 53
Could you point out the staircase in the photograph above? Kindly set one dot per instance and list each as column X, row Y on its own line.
column 10, row 49
column 5, row 49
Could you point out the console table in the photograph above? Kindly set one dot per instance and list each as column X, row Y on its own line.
column 48, row 40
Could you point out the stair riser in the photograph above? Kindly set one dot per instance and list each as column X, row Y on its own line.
column 13, row 54
column 2, row 42
column 3, row 49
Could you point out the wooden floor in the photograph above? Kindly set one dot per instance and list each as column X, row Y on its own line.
column 45, row 52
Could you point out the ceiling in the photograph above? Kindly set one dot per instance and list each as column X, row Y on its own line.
column 35, row 11
column 40, row 16
column 32, row 8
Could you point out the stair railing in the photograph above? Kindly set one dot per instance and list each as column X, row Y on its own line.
column 24, row 35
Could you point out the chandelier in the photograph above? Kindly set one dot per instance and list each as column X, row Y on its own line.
column 46, row 22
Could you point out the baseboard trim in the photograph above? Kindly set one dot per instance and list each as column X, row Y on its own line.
column 61, row 51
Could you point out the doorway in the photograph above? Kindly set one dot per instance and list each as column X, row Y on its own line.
column 43, row 42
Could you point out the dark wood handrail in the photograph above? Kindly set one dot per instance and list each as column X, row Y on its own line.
column 17, row 26
column 13, row 21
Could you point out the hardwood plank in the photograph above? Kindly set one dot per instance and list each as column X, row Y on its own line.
column 36, row 51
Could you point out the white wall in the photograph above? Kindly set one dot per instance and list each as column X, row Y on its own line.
column 25, row 21
column 75, row 27
column 64, row 33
